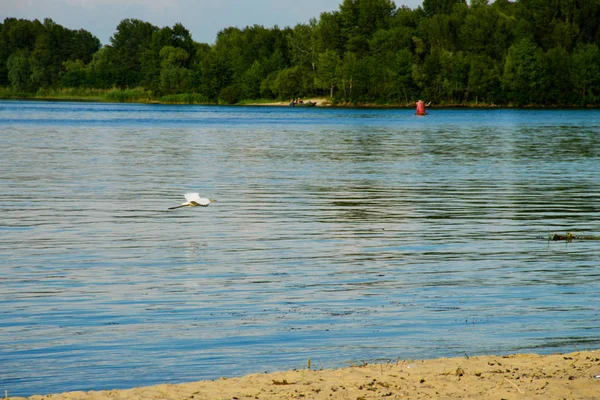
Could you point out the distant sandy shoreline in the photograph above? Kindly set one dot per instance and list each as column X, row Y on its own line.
column 324, row 102
column 521, row 376
column 321, row 102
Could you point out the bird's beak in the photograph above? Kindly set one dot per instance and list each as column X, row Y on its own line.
column 212, row 200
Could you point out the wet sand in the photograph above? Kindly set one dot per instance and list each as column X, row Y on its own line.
column 521, row 376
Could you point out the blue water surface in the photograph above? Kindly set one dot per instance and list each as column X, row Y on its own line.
column 339, row 235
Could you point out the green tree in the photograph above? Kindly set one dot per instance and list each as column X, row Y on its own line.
column 329, row 35
column 174, row 76
column 213, row 74
column 290, row 83
column 440, row 31
column 82, row 45
column 347, row 74
column 327, row 65
column 19, row 70
column 75, row 74
column 101, row 70
column 369, row 80
column 252, row 79
column 426, row 77
column 54, row 45
column 541, row 14
column 240, row 48
column 302, row 44
column 4, row 54
column 182, row 38
column 132, row 38
column 484, row 78
column 585, row 72
column 434, row 7
column 150, row 59
column 48, row 55
column 403, row 74
column 391, row 40
column 485, row 31
column 359, row 19
column 454, row 75
column 478, row 3
column 383, row 85
column 522, row 77
column 558, row 89
column 364, row 17
column 589, row 21
column 407, row 17
column 22, row 34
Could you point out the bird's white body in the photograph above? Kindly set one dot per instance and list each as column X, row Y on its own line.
column 194, row 200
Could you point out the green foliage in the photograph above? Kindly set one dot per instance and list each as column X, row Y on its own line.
column 483, row 80
column 346, row 75
column 405, row 87
column 426, row 77
column 302, row 44
column 454, row 76
column 359, row 20
column 45, row 46
column 75, row 74
column 174, row 76
column 230, row 94
column 522, row 71
column 585, row 72
column 70, row 93
column 368, row 51
column 19, row 71
column 327, row 75
column 171, row 75
column 184, row 98
column 436, row 7
column 137, row 95
column 212, row 74
column 290, row 83
column 329, row 34
column 251, row 80
column 11, row 93
column 101, row 71
column 132, row 38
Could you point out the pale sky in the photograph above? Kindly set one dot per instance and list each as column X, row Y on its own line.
column 203, row 18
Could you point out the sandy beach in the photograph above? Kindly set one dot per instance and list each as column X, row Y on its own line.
column 320, row 102
column 521, row 376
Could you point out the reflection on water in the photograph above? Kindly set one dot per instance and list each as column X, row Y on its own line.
column 339, row 235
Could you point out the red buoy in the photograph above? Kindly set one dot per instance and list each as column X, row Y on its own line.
column 421, row 108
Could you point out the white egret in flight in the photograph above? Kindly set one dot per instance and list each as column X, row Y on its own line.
column 194, row 200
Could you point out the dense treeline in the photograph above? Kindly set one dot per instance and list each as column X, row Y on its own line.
column 542, row 52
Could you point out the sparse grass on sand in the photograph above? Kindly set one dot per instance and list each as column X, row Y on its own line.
column 521, row 376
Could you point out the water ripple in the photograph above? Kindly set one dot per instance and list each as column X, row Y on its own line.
column 339, row 235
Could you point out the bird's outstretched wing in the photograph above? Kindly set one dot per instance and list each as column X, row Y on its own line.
column 192, row 197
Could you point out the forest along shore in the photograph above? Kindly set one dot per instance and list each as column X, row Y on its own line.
column 496, row 52
column 520, row 376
